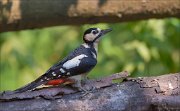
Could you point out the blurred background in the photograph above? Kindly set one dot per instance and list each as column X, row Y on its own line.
column 143, row 48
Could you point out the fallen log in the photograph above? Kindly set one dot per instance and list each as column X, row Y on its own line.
column 29, row 14
column 139, row 94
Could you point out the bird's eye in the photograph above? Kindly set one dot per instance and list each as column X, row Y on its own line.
column 95, row 32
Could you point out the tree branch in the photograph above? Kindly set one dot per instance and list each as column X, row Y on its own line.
column 136, row 94
column 29, row 14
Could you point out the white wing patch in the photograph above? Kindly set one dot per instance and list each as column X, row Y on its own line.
column 74, row 62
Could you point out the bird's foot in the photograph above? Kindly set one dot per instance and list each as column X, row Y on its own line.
column 83, row 89
column 85, row 92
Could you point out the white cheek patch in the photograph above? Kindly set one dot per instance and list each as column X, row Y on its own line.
column 90, row 37
column 74, row 62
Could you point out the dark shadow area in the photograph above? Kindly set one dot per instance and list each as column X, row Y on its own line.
column 102, row 2
column 47, row 9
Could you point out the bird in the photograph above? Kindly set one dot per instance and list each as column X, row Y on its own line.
column 74, row 66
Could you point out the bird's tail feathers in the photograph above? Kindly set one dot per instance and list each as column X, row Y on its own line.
column 39, row 81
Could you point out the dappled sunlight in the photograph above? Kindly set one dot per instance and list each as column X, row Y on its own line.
column 15, row 8
column 11, row 10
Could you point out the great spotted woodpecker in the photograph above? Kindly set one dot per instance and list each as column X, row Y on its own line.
column 77, row 64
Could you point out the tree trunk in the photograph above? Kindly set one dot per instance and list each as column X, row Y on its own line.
column 28, row 14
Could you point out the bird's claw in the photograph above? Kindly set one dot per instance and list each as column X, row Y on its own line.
column 85, row 92
column 84, row 87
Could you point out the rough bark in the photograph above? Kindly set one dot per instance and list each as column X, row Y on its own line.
column 135, row 94
column 29, row 14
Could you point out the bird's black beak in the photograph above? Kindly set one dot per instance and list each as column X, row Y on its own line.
column 105, row 31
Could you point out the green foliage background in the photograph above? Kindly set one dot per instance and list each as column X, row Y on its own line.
column 143, row 48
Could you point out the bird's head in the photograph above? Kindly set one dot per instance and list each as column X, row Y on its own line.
column 93, row 35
